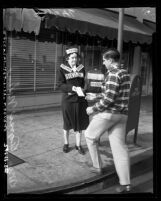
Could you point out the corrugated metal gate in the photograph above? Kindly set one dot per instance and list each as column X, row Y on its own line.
column 32, row 65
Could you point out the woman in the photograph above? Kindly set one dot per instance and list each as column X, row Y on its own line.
column 71, row 82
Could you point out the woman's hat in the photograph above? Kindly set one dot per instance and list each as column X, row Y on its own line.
column 72, row 50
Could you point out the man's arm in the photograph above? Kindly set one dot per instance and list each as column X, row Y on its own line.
column 110, row 93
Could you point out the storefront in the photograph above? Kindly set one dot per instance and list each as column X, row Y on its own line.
column 33, row 59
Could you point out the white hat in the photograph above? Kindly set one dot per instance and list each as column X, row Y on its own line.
column 72, row 50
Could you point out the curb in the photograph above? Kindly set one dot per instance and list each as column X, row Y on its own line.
column 91, row 185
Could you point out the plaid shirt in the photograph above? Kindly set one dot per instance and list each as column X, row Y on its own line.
column 115, row 93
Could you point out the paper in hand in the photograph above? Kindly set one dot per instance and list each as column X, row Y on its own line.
column 80, row 92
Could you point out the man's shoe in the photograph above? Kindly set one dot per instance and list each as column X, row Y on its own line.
column 80, row 149
column 96, row 170
column 123, row 189
column 66, row 148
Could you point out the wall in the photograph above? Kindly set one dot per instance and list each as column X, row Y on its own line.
column 30, row 102
column 136, row 60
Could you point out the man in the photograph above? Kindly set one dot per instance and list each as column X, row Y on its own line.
column 110, row 114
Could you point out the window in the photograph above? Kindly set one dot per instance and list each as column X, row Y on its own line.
column 32, row 65
column 92, row 58
column 20, row 65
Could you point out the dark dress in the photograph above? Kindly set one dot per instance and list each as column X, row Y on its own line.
column 73, row 106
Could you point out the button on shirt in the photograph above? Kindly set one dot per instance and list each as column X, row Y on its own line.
column 115, row 93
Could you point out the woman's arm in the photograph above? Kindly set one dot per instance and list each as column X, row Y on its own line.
column 62, row 84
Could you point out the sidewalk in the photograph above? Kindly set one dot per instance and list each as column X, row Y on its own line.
column 39, row 141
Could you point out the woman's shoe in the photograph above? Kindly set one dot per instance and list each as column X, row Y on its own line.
column 66, row 148
column 80, row 149
column 123, row 189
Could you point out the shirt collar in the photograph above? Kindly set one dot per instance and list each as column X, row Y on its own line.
column 113, row 67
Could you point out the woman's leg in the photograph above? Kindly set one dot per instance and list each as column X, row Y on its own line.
column 78, row 138
column 66, row 141
column 66, row 136
column 78, row 142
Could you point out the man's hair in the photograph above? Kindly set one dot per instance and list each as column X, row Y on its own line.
column 112, row 53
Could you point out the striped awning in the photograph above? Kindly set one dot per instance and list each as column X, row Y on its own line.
column 99, row 22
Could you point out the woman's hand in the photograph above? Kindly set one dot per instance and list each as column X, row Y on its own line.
column 74, row 88
column 78, row 90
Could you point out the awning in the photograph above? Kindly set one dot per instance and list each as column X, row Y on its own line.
column 151, row 25
column 21, row 19
column 99, row 22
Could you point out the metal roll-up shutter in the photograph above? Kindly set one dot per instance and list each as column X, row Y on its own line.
column 32, row 65
column 59, row 61
column 45, row 65
column 20, row 65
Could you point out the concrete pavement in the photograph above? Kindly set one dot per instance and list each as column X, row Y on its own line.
column 37, row 139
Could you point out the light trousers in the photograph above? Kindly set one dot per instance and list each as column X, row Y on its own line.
column 115, row 125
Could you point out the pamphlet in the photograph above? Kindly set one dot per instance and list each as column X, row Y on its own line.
column 80, row 92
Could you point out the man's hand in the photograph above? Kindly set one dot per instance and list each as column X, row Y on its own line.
column 89, row 110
